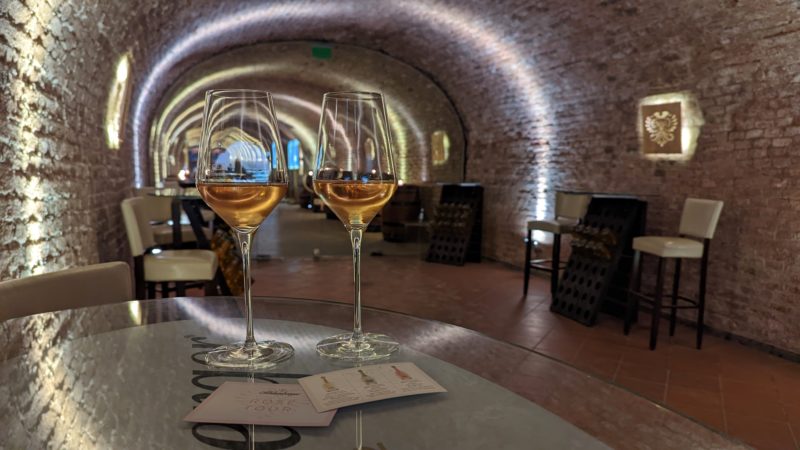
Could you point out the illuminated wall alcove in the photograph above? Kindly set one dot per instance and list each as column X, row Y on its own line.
column 426, row 129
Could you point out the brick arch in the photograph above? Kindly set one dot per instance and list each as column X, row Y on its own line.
column 449, row 44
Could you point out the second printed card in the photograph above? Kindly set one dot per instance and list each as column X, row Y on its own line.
column 364, row 384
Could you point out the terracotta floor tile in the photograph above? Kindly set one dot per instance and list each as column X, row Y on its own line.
column 598, row 365
column 746, row 372
column 528, row 337
column 680, row 397
column 793, row 416
column 644, row 356
column 711, row 417
column 649, row 390
column 731, row 388
column 760, row 433
column 561, row 346
column 643, row 372
column 708, row 369
column 694, row 380
column 606, row 349
column 789, row 395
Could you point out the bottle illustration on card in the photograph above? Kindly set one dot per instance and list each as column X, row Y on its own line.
column 366, row 378
column 400, row 374
column 328, row 386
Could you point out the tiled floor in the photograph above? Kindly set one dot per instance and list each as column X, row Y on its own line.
column 735, row 389
column 732, row 388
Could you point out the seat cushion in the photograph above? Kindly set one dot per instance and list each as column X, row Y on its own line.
column 162, row 233
column 668, row 247
column 180, row 265
column 557, row 226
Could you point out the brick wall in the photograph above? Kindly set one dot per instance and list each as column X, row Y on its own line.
column 547, row 91
column 59, row 184
column 740, row 58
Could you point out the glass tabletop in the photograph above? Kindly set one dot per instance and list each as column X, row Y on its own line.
column 124, row 376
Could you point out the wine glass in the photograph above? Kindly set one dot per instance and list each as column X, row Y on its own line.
column 241, row 175
column 354, row 175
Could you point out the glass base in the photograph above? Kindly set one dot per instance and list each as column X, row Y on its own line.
column 262, row 354
column 343, row 347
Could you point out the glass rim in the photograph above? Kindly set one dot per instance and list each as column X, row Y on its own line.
column 354, row 95
column 237, row 93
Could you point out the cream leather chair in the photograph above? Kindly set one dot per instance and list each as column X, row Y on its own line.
column 163, row 266
column 698, row 221
column 159, row 211
column 72, row 288
column 570, row 209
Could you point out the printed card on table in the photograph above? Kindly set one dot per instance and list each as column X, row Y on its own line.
column 364, row 384
column 259, row 404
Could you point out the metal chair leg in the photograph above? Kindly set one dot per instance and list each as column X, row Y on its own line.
column 701, row 301
column 556, row 264
column 210, row 288
column 138, row 277
column 657, row 304
column 676, row 280
column 632, row 288
column 219, row 277
column 528, row 247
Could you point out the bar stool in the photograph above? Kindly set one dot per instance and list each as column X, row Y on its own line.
column 570, row 209
column 698, row 220
column 164, row 266
column 159, row 211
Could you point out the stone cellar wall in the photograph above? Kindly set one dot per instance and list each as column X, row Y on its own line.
column 547, row 91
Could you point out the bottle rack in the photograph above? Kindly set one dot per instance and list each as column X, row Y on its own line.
column 456, row 225
column 601, row 257
column 401, row 209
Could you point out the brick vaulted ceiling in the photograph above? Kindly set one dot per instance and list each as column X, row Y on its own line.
column 416, row 107
column 546, row 91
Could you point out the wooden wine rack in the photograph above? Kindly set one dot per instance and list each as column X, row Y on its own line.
column 597, row 274
column 456, row 236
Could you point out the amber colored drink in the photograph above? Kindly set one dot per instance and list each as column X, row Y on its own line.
column 242, row 206
column 355, row 203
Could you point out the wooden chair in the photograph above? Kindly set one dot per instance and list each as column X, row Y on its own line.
column 699, row 221
column 71, row 288
column 153, row 265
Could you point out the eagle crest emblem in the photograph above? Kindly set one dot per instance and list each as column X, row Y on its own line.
column 661, row 126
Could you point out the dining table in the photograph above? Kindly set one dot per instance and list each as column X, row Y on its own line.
column 125, row 375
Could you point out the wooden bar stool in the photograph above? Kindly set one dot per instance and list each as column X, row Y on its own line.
column 570, row 209
column 698, row 220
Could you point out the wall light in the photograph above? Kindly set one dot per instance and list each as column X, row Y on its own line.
column 118, row 102
column 440, row 147
column 669, row 125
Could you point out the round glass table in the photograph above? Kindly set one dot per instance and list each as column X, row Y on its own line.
column 125, row 375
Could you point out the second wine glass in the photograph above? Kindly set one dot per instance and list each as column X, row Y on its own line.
column 355, row 176
column 241, row 175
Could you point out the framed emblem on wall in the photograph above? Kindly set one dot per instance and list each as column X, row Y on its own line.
column 662, row 128
column 669, row 125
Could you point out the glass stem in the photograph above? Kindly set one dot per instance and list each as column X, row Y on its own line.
column 244, row 245
column 355, row 239
column 359, row 430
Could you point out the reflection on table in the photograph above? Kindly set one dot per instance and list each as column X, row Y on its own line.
column 124, row 375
